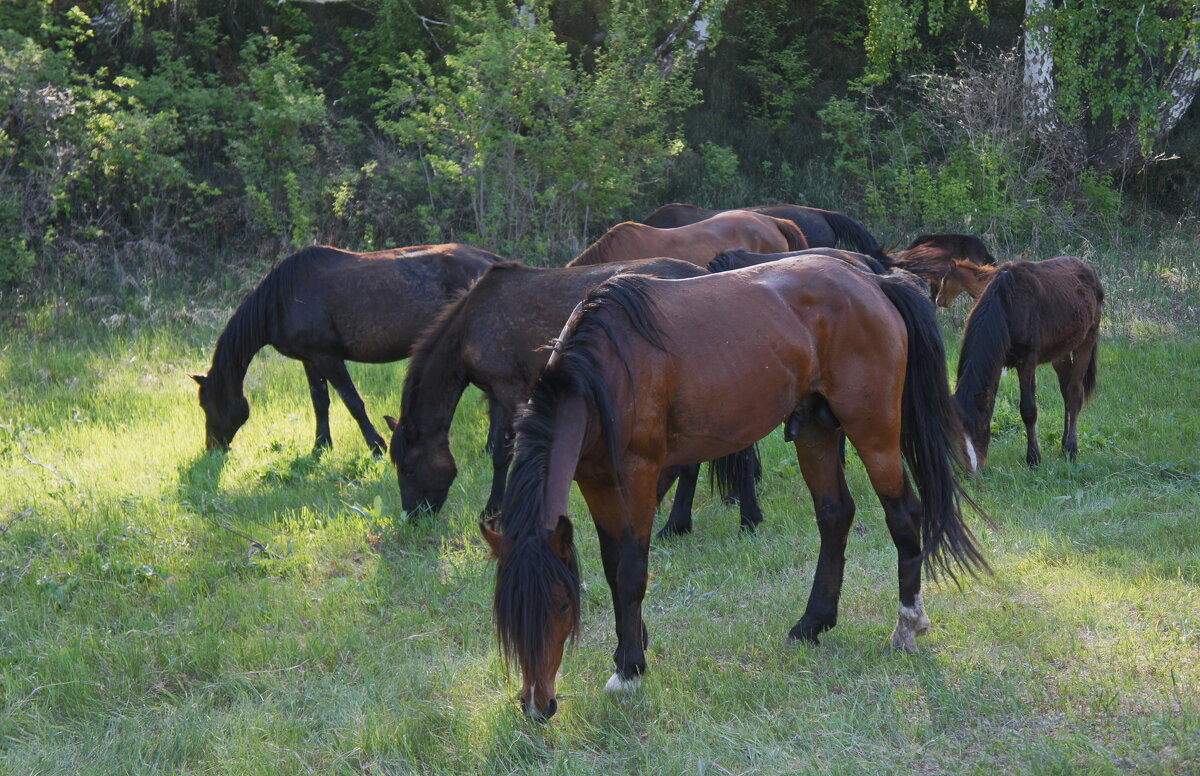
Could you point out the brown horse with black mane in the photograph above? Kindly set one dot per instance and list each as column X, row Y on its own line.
column 931, row 256
column 697, row 243
column 822, row 228
column 324, row 306
column 1027, row 313
column 652, row 373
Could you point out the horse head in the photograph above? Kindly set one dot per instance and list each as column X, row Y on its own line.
column 536, row 607
column 223, row 414
column 425, row 467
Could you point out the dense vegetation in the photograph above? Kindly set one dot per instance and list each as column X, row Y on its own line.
column 140, row 136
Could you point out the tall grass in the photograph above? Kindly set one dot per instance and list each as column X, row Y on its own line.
column 164, row 610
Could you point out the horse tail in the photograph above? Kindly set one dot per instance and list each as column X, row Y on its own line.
column 852, row 233
column 1089, row 377
column 727, row 471
column 796, row 239
column 929, row 437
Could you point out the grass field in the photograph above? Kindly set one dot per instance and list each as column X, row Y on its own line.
column 163, row 610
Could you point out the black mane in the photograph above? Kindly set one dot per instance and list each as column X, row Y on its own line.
column 985, row 344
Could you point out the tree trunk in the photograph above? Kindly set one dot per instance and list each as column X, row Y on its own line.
column 690, row 36
column 1040, row 107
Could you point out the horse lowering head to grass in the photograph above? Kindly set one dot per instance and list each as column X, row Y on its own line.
column 497, row 336
column 822, row 228
column 651, row 373
column 697, row 243
column 324, row 306
column 1029, row 313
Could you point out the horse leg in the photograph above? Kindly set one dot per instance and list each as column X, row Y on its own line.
column 1027, row 376
column 817, row 454
column 335, row 371
column 318, row 390
column 623, row 525
column 748, row 471
column 680, row 520
column 1071, row 371
column 500, row 438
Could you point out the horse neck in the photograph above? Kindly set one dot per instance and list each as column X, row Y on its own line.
column 436, row 378
column 570, row 429
column 600, row 251
column 243, row 337
column 978, row 278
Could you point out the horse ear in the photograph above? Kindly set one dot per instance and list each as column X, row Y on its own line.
column 562, row 538
column 391, row 422
column 199, row 377
column 499, row 543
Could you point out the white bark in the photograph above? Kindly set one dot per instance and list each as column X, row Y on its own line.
column 1039, row 70
column 690, row 36
column 1184, row 80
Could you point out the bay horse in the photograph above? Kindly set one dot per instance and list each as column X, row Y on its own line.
column 496, row 336
column 1029, row 313
column 822, row 228
column 324, row 306
column 650, row 373
column 739, row 259
column 697, row 243
column 931, row 256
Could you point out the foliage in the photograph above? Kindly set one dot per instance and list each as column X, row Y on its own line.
column 534, row 148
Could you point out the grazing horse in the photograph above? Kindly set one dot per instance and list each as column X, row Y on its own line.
column 323, row 307
column 1029, row 313
column 651, row 373
column 697, row 243
column 823, row 228
column 497, row 336
column 931, row 256
column 739, row 259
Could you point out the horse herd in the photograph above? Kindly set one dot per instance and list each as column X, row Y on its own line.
column 624, row 370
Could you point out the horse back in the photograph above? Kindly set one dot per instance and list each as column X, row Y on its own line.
column 1055, row 306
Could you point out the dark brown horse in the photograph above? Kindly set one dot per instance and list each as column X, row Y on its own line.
column 652, row 373
column 1030, row 313
column 496, row 336
column 697, row 243
column 931, row 256
column 738, row 259
column 822, row 228
column 324, row 306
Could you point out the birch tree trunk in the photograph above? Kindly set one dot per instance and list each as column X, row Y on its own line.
column 690, row 36
column 1040, row 107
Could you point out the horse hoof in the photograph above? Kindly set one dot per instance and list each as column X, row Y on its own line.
column 668, row 531
column 617, row 684
column 911, row 622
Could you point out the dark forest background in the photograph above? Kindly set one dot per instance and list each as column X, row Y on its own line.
column 142, row 138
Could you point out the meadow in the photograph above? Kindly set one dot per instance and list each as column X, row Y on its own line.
column 167, row 610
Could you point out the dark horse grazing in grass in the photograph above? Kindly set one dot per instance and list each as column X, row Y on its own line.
column 1030, row 313
column 697, row 243
column 497, row 337
column 822, row 228
column 325, row 306
column 652, row 373
column 931, row 256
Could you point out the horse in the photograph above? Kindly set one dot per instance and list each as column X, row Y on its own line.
column 823, row 228
column 651, row 373
column 739, row 259
column 1029, row 313
column 324, row 306
column 931, row 256
column 496, row 337
column 697, row 243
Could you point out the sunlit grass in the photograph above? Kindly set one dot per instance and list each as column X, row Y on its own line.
column 164, row 610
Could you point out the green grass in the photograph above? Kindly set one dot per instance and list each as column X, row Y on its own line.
column 163, row 610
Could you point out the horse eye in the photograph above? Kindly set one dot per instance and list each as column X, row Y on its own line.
column 564, row 607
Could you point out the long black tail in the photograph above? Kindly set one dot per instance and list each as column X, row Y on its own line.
column 728, row 471
column 930, row 437
column 852, row 233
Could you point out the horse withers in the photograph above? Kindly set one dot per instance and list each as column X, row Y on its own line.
column 324, row 306
column 651, row 373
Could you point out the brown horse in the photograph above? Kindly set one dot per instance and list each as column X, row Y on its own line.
column 652, row 373
column 697, row 243
column 324, row 306
column 496, row 336
column 1029, row 313
column 822, row 228
column 931, row 256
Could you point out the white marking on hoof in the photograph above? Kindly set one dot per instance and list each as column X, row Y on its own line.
column 971, row 457
column 912, row 622
column 617, row 684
